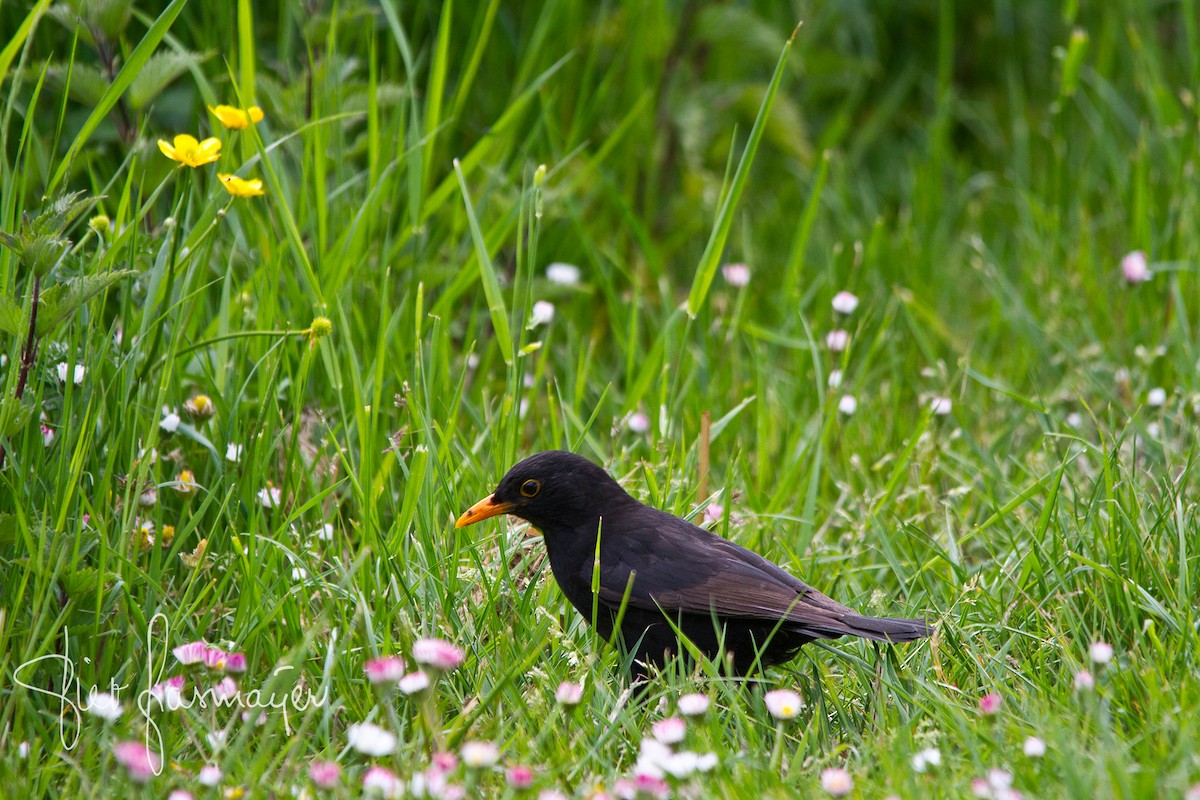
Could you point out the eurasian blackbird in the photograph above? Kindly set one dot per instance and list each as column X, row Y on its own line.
column 658, row 571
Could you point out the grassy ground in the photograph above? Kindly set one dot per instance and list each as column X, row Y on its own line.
column 365, row 331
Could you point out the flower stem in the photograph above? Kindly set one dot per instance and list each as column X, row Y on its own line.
column 777, row 749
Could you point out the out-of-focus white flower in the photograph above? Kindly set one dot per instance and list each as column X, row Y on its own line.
column 414, row 682
column 837, row 781
column 844, row 303
column 77, row 372
column 210, row 775
column 1156, row 397
column 669, row 731
column 569, row 693
column 736, row 275
column 693, row 705
column 386, row 669
column 1034, row 747
column 848, row 404
column 370, row 739
column 637, row 422
column 104, row 705
column 940, row 406
column 382, row 782
column 837, row 340
column 924, row 759
column 270, row 496
column 437, row 653
column 562, row 273
column 170, row 420
column 541, row 314
column 1101, row 652
column 1135, row 267
column 478, row 754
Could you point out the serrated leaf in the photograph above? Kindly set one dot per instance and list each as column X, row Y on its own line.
column 107, row 17
column 69, row 18
column 110, row 16
column 55, row 218
column 14, row 415
column 741, row 30
column 87, row 82
column 59, row 302
column 160, row 70
column 81, row 581
column 10, row 316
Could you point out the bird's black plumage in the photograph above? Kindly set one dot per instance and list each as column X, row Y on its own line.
column 726, row 599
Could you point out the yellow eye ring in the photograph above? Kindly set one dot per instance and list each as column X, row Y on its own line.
column 530, row 488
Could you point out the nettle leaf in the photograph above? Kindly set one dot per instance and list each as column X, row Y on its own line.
column 82, row 581
column 88, row 82
column 110, row 16
column 42, row 240
column 14, row 415
column 65, row 209
column 10, row 316
column 160, row 70
column 69, row 18
column 43, row 252
column 59, row 302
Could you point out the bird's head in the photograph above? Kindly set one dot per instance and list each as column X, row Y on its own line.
column 553, row 489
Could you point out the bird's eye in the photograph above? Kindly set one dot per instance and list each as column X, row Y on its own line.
column 530, row 488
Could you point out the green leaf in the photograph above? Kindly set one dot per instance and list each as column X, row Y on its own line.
column 137, row 59
column 62, row 300
column 81, row 581
column 83, row 83
column 1076, row 51
column 10, row 316
column 67, row 16
column 487, row 271
column 17, row 41
column 41, row 254
column 707, row 268
column 14, row 415
column 55, row 218
column 8, row 529
column 160, row 70
column 110, row 16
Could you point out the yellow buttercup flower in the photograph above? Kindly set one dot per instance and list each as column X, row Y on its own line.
column 240, row 187
column 235, row 118
column 191, row 153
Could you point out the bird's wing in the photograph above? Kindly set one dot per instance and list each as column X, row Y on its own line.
column 679, row 567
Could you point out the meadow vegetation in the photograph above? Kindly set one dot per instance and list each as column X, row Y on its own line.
column 903, row 298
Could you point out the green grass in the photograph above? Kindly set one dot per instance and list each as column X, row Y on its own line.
column 973, row 172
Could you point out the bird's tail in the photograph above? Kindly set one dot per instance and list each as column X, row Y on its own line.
column 887, row 629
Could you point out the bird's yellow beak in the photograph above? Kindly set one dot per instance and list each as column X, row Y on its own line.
column 487, row 507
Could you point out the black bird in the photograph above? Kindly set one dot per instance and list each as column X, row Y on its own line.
column 656, row 567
